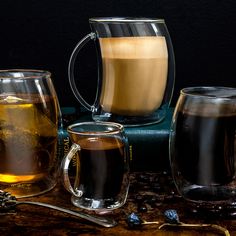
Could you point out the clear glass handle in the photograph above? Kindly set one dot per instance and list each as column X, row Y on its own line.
column 71, row 66
column 65, row 165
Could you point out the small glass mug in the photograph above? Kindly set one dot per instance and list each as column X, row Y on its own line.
column 136, row 70
column 29, row 121
column 203, row 149
column 102, row 171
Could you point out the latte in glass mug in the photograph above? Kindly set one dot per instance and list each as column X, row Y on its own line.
column 134, row 74
column 136, row 70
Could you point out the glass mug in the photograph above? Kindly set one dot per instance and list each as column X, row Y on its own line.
column 29, row 120
column 136, row 70
column 203, row 149
column 102, row 171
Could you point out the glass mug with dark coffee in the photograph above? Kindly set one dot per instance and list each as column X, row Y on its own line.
column 136, row 70
column 203, row 148
column 102, row 165
column 29, row 120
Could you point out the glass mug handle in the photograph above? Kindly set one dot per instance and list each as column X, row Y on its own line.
column 65, row 165
column 78, row 47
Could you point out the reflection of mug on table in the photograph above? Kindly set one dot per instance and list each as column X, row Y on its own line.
column 28, row 132
column 101, row 150
column 136, row 70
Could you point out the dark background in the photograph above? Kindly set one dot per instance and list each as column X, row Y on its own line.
column 41, row 34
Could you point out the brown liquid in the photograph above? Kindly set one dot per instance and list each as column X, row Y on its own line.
column 102, row 163
column 134, row 74
column 205, row 146
column 28, row 138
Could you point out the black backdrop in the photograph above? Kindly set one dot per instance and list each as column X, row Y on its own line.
column 41, row 34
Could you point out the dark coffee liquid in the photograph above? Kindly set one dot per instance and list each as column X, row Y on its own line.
column 101, row 167
column 205, row 148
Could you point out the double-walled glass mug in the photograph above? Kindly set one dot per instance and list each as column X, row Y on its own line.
column 136, row 70
column 203, row 149
column 102, row 170
column 29, row 119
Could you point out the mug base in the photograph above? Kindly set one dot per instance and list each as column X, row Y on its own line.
column 213, row 211
column 100, row 205
column 213, row 202
column 132, row 121
column 22, row 190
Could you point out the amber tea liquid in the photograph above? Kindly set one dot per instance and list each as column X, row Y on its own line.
column 28, row 138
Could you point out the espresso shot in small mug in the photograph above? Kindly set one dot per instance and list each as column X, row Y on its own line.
column 203, row 149
column 102, row 165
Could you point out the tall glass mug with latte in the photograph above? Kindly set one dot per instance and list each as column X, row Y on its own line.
column 136, row 70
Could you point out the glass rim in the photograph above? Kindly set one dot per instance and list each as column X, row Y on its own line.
column 197, row 92
column 125, row 20
column 116, row 128
column 24, row 74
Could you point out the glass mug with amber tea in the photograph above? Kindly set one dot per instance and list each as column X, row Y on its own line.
column 203, row 149
column 136, row 70
column 102, row 165
column 29, row 119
